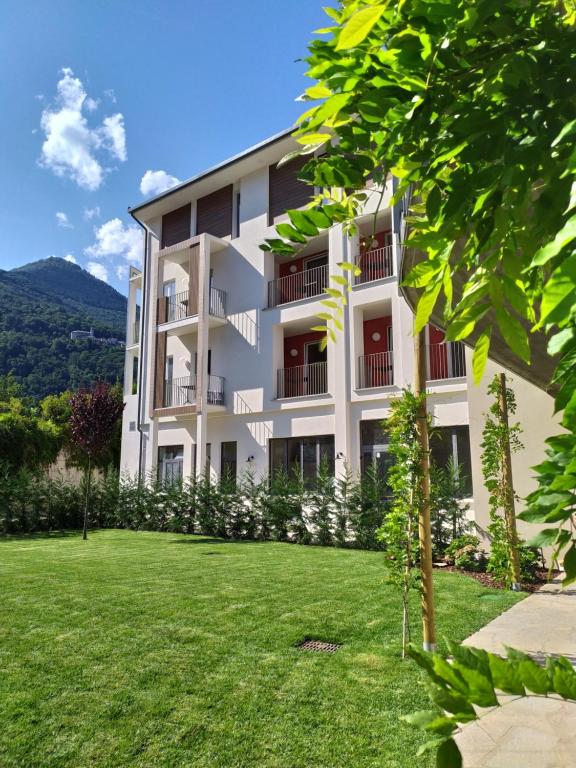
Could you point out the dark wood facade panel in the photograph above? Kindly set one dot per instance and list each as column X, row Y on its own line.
column 214, row 213
column 176, row 226
column 285, row 190
column 160, row 370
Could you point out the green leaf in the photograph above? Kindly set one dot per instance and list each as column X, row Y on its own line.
column 545, row 538
column 505, row 675
column 559, row 340
column 559, row 291
column 514, row 334
column 563, row 237
column 426, row 304
column 422, row 274
column 480, row 356
column 358, row 27
column 301, row 221
column 315, row 139
column 448, row 755
column 570, row 564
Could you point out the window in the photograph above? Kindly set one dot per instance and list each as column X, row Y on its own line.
column 302, row 456
column 169, row 289
column 453, row 443
column 169, row 381
column 134, row 382
column 170, row 463
column 374, row 447
column 228, row 460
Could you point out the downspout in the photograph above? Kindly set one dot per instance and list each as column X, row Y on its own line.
column 142, row 340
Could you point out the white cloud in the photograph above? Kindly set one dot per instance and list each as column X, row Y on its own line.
column 115, row 239
column 62, row 219
column 97, row 270
column 70, row 258
column 92, row 213
column 121, row 272
column 155, row 182
column 109, row 93
column 72, row 148
column 113, row 136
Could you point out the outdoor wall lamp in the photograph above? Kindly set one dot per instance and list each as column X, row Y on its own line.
column 339, row 455
column 250, row 458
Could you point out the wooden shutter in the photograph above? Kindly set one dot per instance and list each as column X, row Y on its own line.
column 285, row 190
column 176, row 226
column 193, row 282
column 214, row 213
column 160, row 370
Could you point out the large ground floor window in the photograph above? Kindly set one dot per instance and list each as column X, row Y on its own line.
column 170, row 463
column 453, row 443
column 302, row 456
column 228, row 460
column 446, row 443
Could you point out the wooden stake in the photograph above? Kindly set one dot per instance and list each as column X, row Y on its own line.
column 509, row 501
column 424, row 532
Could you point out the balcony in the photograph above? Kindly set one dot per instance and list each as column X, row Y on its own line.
column 135, row 333
column 301, row 285
column 446, row 360
column 375, row 264
column 183, row 391
column 376, row 370
column 177, row 305
column 302, row 380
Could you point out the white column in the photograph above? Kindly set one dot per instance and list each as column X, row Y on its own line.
column 339, row 370
column 203, row 341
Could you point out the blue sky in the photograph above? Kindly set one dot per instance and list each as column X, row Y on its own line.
column 95, row 94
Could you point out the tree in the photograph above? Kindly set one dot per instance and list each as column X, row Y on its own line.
column 499, row 440
column 399, row 529
column 95, row 415
column 468, row 104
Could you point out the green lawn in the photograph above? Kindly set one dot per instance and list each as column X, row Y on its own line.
column 157, row 650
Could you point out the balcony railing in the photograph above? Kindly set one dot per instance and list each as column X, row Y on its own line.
column 376, row 370
column 375, row 264
column 446, row 360
column 300, row 285
column 135, row 337
column 301, row 380
column 183, row 391
column 177, row 305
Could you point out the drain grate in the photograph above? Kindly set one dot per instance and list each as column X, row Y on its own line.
column 319, row 646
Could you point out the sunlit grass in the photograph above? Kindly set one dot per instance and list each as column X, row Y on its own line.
column 156, row 650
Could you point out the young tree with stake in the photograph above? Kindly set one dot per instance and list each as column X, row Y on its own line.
column 95, row 414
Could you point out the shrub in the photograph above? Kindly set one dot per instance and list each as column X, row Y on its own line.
column 464, row 552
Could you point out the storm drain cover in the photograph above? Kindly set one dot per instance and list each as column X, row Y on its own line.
column 319, row 645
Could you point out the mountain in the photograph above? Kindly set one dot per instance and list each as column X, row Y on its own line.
column 40, row 303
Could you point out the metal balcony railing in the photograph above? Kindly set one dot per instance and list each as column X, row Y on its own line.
column 183, row 391
column 300, row 285
column 300, row 380
column 376, row 370
column 177, row 305
column 446, row 360
column 375, row 264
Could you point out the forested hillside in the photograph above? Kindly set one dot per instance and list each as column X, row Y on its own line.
column 40, row 303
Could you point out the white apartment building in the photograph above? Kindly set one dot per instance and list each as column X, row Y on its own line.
column 223, row 367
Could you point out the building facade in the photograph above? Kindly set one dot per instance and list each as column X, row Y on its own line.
column 224, row 367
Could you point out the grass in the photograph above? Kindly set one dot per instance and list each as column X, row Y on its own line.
column 155, row 650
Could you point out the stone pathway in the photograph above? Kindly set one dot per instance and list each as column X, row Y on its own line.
column 532, row 732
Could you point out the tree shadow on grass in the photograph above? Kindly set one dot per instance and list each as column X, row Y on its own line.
column 198, row 539
column 39, row 535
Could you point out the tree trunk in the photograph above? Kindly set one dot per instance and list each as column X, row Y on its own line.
column 508, row 491
column 424, row 532
column 87, row 499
